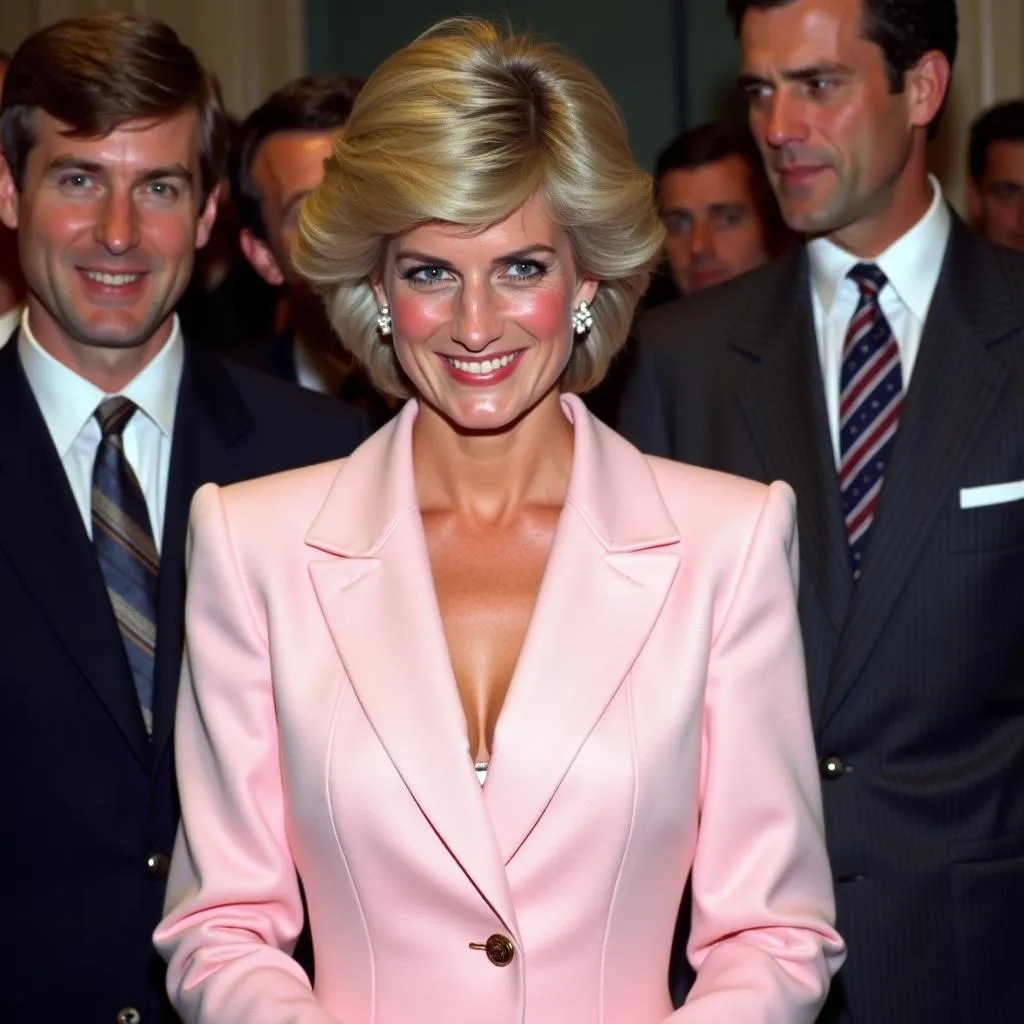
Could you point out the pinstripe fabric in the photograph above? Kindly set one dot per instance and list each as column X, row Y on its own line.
column 915, row 672
column 870, row 400
column 123, row 541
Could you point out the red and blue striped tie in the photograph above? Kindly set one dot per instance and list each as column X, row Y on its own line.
column 870, row 400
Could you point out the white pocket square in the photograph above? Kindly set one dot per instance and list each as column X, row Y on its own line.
column 991, row 494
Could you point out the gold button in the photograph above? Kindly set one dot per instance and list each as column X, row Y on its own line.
column 499, row 949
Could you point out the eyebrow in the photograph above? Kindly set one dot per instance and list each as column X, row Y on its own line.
column 72, row 163
column 509, row 257
column 826, row 69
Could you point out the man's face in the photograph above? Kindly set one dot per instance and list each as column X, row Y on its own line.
column 715, row 230
column 997, row 201
column 107, row 230
column 287, row 167
column 835, row 138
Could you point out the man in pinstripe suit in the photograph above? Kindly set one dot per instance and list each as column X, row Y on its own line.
column 907, row 457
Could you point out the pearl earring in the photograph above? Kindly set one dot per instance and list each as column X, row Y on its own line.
column 384, row 320
column 582, row 319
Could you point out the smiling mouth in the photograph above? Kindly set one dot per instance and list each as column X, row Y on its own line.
column 481, row 367
column 111, row 280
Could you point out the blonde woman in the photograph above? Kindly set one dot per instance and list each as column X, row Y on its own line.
column 495, row 686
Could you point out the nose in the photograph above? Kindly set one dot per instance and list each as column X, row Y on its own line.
column 117, row 227
column 784, row 122
column 702, row 240
column 477, row 319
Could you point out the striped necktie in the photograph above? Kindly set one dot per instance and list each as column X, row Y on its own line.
column 870, row 400
column 123, row 540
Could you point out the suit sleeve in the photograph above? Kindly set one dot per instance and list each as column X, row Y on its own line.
column 641, row 415
column 762, row 937
column 233, row 908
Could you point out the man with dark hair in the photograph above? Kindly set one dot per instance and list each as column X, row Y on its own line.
column 280, row 159
column 12, row 286
column 879, row 370
column 995, row 190
column 112, row 137
column 717, row 206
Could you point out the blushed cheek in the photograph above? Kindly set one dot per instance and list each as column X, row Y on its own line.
column 417, row 318
column 544, row 314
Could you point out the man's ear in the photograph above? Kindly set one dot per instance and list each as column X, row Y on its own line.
column 8, row 195
column 258, row 253
column 927, row 84
column 207, row 217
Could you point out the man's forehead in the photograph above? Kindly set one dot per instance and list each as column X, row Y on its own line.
column 177, row 133
column 726, row 179
column 801, row 34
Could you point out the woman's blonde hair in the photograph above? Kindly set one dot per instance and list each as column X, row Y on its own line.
column 463, row 126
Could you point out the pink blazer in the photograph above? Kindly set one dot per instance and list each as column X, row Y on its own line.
column 656, row 724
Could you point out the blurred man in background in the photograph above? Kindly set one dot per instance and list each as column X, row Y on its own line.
column 995, row 191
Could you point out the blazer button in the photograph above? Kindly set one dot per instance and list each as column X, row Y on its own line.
column 158, row 865
column 831, row 768
column 499, row 949
column 129, row 1015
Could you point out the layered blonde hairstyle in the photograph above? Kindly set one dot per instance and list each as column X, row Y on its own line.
column 463, row 126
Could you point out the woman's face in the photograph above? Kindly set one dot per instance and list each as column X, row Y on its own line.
column 481, row 320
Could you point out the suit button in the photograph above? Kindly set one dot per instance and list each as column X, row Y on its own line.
column 499, row 949
column 158, row 865
column 129, row 1015
column 831, row 768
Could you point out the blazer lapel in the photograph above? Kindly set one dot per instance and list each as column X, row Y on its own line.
column 210, row 416
column 376, row 571
column 606, row 581
column 782, row 399
column 955, row 384
column 42, row 534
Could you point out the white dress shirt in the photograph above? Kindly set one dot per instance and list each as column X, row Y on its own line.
column 8, row 322
column 68, row 404
column 911, row 264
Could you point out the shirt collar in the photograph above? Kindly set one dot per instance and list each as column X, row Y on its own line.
column 912, row 263
column 67, row 401
column 9, row 323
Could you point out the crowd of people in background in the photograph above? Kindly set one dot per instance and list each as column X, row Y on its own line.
column 817, row 314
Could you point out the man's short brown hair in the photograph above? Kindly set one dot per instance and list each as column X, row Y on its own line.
column 98, row 71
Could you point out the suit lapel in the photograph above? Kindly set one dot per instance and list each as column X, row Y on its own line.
column 377, row 570
column 955, row 384
column 782, row 399
column 209, row 418
column 607, row 578
column 42, row 534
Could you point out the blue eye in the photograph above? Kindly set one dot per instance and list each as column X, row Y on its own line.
column 526, row 270
column 426, row 275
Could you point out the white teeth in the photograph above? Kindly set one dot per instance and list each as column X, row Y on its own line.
column 114, row 280
column 484, row 367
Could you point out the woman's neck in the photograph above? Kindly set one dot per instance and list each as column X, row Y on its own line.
column 491, row 477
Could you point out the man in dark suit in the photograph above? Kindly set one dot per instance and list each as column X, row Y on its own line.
column 280, row 158
column 112, row 145
column 889, row 350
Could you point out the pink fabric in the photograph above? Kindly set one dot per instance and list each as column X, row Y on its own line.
column 661, row 684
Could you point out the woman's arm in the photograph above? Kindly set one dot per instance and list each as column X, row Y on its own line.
column 233, row 907
column 762, row 936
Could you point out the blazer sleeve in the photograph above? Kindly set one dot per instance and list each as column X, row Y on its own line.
column 233, row 908
column 762, row 938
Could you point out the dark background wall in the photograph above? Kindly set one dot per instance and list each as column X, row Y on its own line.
column 664, row 61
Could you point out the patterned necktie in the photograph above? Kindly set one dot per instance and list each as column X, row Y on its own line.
column 870, row 400
column 123, row 541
